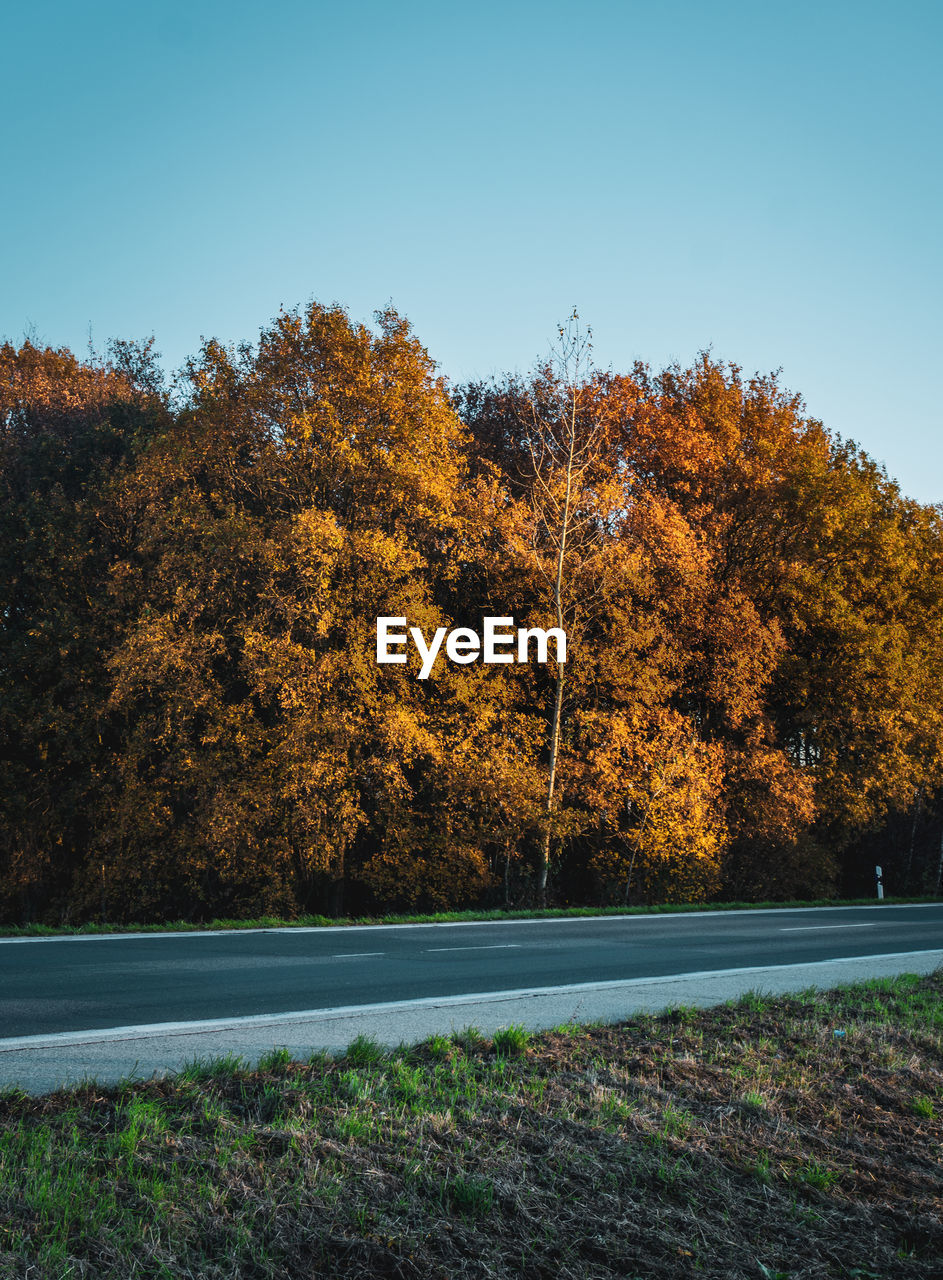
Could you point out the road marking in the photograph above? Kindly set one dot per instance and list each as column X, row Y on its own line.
column 492, row 946
column 146, row 1031
column 817, row 928
column 353, row 955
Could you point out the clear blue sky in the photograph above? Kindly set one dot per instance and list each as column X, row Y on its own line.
column 761, row 179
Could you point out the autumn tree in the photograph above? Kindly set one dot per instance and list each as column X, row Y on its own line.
column 193, row 721
column 602, row 552
column 858, row 693
column 315, row 482
column 560, row 455
column 68, row 431
column 547, row 446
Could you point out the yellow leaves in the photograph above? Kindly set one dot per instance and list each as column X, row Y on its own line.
column 755, row 620
column 660, row 794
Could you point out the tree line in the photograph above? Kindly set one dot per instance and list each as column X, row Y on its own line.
column 193, row 722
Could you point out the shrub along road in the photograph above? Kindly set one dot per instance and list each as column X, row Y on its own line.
column 109, row 1004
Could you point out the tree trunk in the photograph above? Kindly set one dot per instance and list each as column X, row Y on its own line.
column 338, row 883
column 913, row 836
column 543, row 865
column 628, row 879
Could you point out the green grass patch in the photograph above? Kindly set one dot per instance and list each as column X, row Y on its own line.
column 740, row 1141
column 511, row 1042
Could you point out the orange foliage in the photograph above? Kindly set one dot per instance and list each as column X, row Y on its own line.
column 192, row 720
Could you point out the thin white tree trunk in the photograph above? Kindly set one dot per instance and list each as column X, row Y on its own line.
column 543, row 866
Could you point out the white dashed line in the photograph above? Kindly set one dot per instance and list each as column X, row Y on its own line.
column 817, row 928
column 495, row 946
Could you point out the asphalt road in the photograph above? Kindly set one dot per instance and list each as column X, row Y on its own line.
column 57, row 985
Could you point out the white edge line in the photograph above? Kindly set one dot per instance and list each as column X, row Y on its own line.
column 149, row 1030
column 459, row 924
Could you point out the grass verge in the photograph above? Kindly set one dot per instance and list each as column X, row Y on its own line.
column 794, row 1137
column 438, row 917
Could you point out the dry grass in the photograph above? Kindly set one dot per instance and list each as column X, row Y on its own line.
column 748, row 1141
